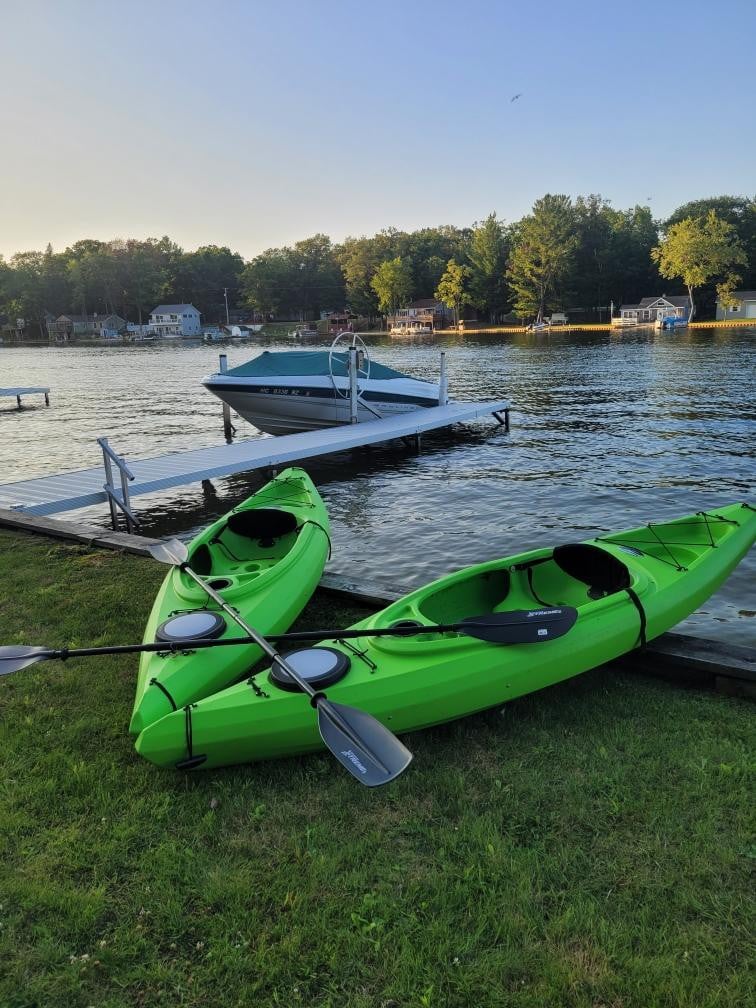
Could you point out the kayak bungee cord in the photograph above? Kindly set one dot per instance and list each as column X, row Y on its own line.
column 657, row 540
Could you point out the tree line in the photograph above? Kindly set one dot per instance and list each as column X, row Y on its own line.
column 577, row 255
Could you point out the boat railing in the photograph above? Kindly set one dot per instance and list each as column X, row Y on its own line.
column 117, row 501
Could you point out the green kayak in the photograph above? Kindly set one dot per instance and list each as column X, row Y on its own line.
column 625, row 589
column 265, row 558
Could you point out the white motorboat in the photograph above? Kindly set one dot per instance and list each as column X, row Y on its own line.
column 284, row 392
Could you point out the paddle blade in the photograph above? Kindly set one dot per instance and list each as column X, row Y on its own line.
column 169, row 551
column 13, row 659
column 368, row 750
column 522, row 626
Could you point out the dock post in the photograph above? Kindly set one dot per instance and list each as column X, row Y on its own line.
column 353, row 385
column 18, row 401
column 505, row 421
column 443, row 382
column 47, row 398
column 228, row 428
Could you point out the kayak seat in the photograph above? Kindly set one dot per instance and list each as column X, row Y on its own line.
column 262, row 525
column 601, row 571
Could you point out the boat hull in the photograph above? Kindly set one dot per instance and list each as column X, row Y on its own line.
column 304, row 404
column 413, row 682
column 268, row 581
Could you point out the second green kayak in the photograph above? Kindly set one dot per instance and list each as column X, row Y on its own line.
column 625, row 588
column 265, row 559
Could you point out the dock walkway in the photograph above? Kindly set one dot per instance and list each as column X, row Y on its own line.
column 48, row 495
column 26, row 390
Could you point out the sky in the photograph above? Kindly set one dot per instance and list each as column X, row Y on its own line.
column 255, row 124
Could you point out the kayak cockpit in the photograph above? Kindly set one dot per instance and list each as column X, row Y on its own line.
column 572, row 575
column 248, row 541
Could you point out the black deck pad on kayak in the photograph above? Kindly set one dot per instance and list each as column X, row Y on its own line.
column 601, row 571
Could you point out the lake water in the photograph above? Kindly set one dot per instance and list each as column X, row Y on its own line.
column 608, row 431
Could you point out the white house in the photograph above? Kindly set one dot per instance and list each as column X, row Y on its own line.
column 652, row 309
column 745, row 309
column 175, row 320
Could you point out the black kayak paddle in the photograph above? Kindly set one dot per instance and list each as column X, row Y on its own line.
column 520, row 626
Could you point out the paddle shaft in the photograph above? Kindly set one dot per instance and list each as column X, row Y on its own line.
column 177, row 646
column 318, row 700
column 258, row 639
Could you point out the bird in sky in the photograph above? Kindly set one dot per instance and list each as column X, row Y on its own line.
column 515, row 98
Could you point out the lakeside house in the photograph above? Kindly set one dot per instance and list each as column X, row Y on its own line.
column 652, row 309
column 746, row 309
column 424, row 314
column 18, row 330
column 339, row 321
column 169, row 320
column 67, row 327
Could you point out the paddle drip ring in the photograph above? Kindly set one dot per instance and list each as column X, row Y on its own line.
column 318, row 666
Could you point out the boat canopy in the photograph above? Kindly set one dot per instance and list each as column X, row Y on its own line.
column 297, row 363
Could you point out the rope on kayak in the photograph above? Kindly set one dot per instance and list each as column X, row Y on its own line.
column 527, row 566
column 533, row 592
column 163, row 690
column 706, row 517
column 641, row 613
column 311, row 521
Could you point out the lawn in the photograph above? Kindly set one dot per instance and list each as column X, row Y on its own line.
column 589, row 845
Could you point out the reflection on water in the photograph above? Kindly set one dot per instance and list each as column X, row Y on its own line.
column 607, row 431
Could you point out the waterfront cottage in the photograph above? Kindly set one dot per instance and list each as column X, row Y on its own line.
column 66, row 327
column 745, row 309
column 424, row 314
column 652, row 309
column 175, row 320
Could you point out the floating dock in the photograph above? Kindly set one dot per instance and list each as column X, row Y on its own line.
column 26, row 390
column 48, row 495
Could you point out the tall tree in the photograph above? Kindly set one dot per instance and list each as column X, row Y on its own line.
column 631, row 272
column 698, row 251
column 201, row 277
column 740, row 211
column 392, row 283
column 452, row 287
column 266, row 282
column 543, row 254
column 319, row 279
column 489, row 291
column 28, row 288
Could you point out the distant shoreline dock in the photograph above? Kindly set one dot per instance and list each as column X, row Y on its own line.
column 26, row 390
column 474, row 328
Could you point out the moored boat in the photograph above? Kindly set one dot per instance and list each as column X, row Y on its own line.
column 625, row 589
column 265, row 558
column 300, row 390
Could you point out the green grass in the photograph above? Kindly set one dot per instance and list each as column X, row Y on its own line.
column 585, row 846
